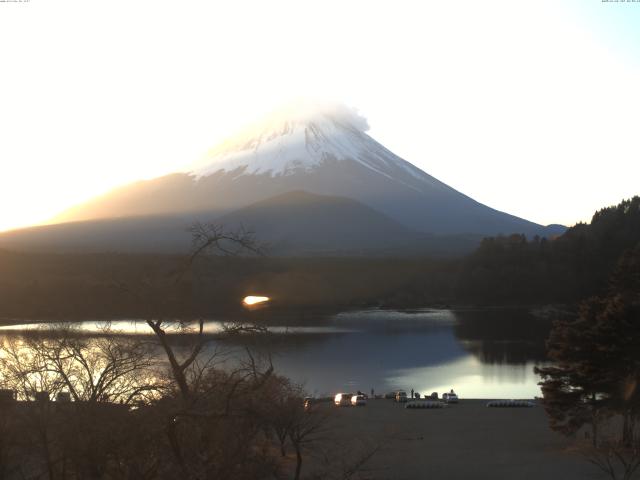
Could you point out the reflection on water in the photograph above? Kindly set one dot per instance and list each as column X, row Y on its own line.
column 472, row 379
column 503, row 336
column 139, row 327
column 481, row 353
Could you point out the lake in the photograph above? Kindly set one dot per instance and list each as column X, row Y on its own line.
column 482, row 353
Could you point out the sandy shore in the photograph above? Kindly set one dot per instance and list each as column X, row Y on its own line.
column 462, row 441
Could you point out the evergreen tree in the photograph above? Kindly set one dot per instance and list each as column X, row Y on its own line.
column 597, row 358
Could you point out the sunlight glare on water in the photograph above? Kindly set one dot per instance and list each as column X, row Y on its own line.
column 254, row 300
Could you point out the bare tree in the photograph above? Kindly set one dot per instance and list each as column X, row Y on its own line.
column 283, row 417
column 83, row 438
column 107, row 368
column 314, row 440
column 25, row 371
column 618, row 459
column 306, row 428
column 207, row 239
column 212, row 238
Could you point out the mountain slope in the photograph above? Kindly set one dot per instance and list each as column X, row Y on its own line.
column 300, row 222
column 140, row 234
column 321, row 150
column 295, row 223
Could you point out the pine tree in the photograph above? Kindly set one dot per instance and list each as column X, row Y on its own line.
column 596, row 371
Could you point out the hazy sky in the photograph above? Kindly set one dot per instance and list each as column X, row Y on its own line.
column 531, row 107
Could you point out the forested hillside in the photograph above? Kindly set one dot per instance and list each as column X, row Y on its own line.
column 565, row 269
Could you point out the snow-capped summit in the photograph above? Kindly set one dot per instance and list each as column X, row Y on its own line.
column 300, row 138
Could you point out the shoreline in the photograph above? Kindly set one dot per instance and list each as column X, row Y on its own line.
column 541, row 311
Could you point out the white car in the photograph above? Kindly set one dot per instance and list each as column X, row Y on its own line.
column 358, row 401
column 450, row 397
column 343, row 399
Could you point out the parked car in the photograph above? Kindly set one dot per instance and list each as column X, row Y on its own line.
column 401, row 396
column 307, row 402
column 343, row 399
column 450, row 397
column 358, row 400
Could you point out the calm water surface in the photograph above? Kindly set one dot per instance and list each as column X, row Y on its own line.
column 487, row 353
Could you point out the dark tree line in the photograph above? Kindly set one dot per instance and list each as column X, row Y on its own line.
column 573, row 266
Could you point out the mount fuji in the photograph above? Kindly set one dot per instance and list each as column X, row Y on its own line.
column 319, row 152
